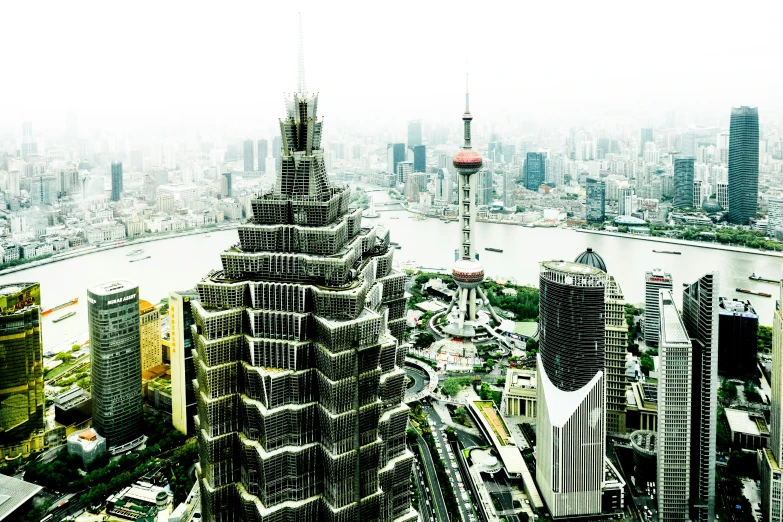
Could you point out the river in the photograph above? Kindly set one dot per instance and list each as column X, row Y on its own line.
column 180, row 262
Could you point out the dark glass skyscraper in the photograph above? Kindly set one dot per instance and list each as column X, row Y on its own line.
column 300, row 383
column 116, row 180
column 683, row 182
column 738, row 339
column 395, row 153
column 21, row 362
column 595, row 201
column 414, row 134
column 419, row 158
column 535, row 170
column 743, row 164
column 115, row 354
column 700, row 316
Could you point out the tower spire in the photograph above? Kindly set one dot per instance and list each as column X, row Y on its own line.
column 467, row 94
column 300, row 83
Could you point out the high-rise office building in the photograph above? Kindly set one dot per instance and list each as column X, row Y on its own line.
column 414, row 134
column 674, row 411
column 495, row 151
column 534, row 170
column 775, row 216
column 700, row 315
column 419, row 158
column 116, row 180
column 771, row 457
column 226, row 189
column 43, row 190
column 738, row 326
column 484, row 188
column 443, row 184
column 21, row 349
column 300, row 383
column 149, row 335
column 595, row 201
column 625, row 200
column 743, row 164
column 404, row 169
column 248, row 153
column 683, row 182
column 698, row 188
column 688, row 144
column 29, row 145
column 183, row 371
column 654, row 282
column 263, row 152
column 509, row 190
column 722, row 194
column 571, row 431
column 113, row 318
column 646, row 137
column 395, row 153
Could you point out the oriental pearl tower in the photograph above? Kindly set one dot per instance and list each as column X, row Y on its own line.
column 468, row 273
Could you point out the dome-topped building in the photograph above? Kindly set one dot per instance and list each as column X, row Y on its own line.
column 710, row 206
column 591, row 258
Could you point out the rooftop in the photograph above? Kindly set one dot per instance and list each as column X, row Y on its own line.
column 113, row 287
column 14, row 493
column 571, row 268
column 673, row 330
column 591, row 258
column 746, row 422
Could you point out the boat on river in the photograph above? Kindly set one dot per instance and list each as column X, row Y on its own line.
column 667, row 252
column 140, row 259
column 135, row 252
column 64, row 317
column 752, row 292
column 491, row 249
column 61, row 306
column 754, row 277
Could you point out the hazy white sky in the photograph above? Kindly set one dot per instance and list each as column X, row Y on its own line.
column 226, row 64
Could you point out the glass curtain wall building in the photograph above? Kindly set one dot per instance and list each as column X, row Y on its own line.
column 115, row 354
column 299, row 379
column 571, row 424
column 743, row 164
column 21, row 363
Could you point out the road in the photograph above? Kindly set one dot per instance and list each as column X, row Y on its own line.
column 432, row 479
column 426, row 506
column 456, row 481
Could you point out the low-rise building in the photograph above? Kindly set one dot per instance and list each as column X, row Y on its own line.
column 519, row 393
column 87, row 445
column 107, row 231
column 141, row 500
column 641, row 411
column 748, row 429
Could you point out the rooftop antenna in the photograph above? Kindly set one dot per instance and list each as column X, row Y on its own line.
column 467, row 90
column 301, row 88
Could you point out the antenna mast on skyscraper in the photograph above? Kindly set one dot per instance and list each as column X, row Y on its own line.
column 301, row 88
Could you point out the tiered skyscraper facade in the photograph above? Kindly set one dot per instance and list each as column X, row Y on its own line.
column 571, row 426
column 743, row 164
column 300, row 383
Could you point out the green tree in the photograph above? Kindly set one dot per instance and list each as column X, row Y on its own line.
column 424, row 340
column 765, row 339
column 76, row 347
column 647, row 364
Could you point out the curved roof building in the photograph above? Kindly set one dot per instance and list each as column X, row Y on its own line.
column 591, row 258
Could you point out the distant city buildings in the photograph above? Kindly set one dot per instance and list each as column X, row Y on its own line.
column 414, row 134
column 535, row 170
column 743, row 164
column 113, row 318
column 646, row 137
column 248, row 152
column 595, row 202
column 395, row 153
column 263, row 152
column 116, row 181
column 683, row 183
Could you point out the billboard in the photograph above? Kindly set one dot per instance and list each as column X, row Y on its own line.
column 17, row 296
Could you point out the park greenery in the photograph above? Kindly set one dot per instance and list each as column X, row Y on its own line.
column 452, row 386
column 106, row 477
column 765, row 339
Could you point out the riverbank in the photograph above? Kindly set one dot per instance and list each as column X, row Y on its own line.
column 89, row 249
column 684, row 242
